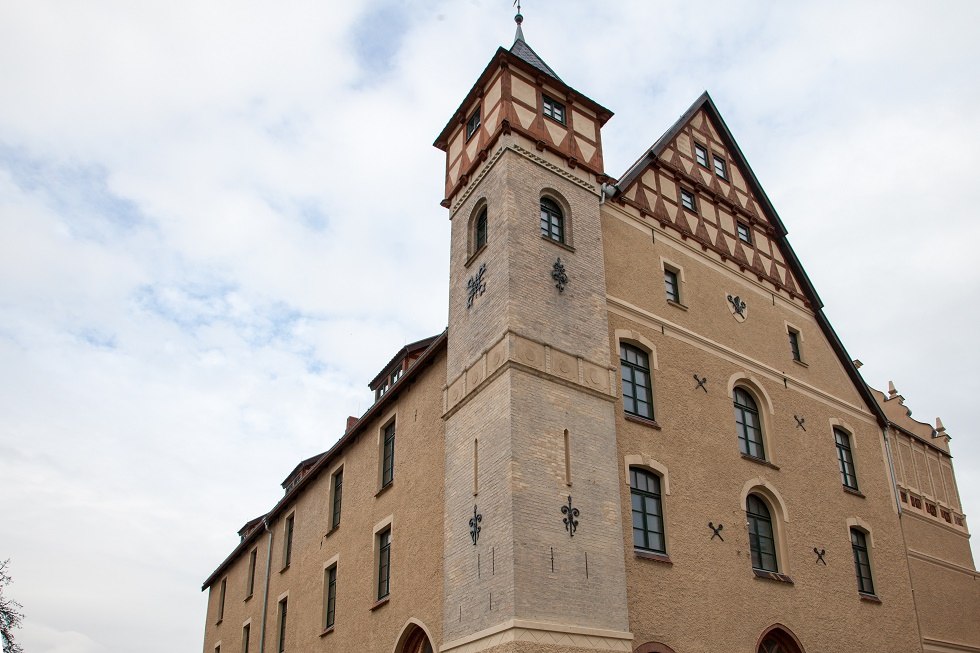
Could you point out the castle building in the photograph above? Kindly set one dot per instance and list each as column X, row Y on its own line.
column 639, row 432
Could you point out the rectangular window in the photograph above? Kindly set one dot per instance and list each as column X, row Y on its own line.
column 554, row 109
column 687, row 199
column 473, row 124
column 250, row 578
column 287, row 543
column 845, row 459
column 384, row 563
column 794, row 344
column 388, row 456
column 221, row 600
column 246, row 635
column 720, row 169
column 744, row 233
column 701, row 154
column 338, row 491
column 329, row 596
column 862, row 563
column 282, row 626
column 670, row 285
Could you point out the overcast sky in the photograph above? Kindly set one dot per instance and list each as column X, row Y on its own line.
column 219, row 219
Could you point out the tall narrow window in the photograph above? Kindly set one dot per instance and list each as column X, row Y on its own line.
column 476, row 466
column 481, row 229
column 552, row 220
column 862, row 563
column 568, row 460
column 670, row 284
column 762, row 542
column 221, row 600
column 748, row 426
column 384, row 563
column 250, row 579
column 338, row 494
column 648, row 520
column 329, row 596
column 282, row 626
column 637, row 394
column 246, row 636
column 554, row 109
column 473, row 123
column 388, row 456
column 701, row 154
column 845, row 460
column 287, row 544
column 794, row 344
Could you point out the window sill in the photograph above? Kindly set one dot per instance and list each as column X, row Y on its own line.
column 380, row 602
column 870, row 598
column 246, row 599
column 651, row 555
column 218, row 622
column 555, row 120
column 759, row 461
column 326, row 631
column 801, row 363
column 384, row 489
column 284, row 568
column 643, row 420
column 558, row 243
column 773, row 575
column 854, row 491
column 677, row 304
column 474, row 256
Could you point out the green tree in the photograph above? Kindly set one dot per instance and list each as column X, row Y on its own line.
column 10, row 614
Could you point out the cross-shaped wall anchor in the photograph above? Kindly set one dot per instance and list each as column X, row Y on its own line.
column 717, row 531
column 799, row 422
column 701, row 383
column 820, row 554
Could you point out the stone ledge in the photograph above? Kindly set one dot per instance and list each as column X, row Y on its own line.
column 551, row 634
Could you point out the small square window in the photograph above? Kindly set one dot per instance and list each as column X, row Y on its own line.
column 554, row 109
column 687, row 199
column 720, row 169
column 744, row 233
column 671, row 286
column 473, row 124
column 701, row 154
column 794, row 345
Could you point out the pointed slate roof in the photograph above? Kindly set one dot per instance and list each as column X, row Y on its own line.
column 523, row 51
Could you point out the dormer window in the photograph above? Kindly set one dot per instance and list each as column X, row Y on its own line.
column 383, row 388
column 397, row 374
column 554, row 109
column 473, row 124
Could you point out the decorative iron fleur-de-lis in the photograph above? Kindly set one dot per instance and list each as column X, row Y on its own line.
column 571, row 524
column 738, row 304
column 558, row 274
column 476, row 285
column 475, row 527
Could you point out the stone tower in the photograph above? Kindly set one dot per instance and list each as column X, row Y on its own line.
column 533, row 534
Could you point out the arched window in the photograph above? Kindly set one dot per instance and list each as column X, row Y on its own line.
column 648, row 514
column 552, row 220
column 480, row 230
column 778, row 640
column 845, row 459
column 748, row 425
column 862, row 562
column 635, row 371
column 762, row 540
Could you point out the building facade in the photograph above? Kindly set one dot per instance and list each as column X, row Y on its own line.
column 638, row 433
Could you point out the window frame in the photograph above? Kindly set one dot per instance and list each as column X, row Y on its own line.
column 743, row 429
column 388, row 454
column 845, row 459
column 552, row 220
column 283, row 613
column 862, row 562
column 719, row 162
column 555, row 107
column 383, row 569
column 250, row 573
column 480, row 230
column 336, row 497
column 753, row 522
column 744, row 232
column 330, row 596
column 289, row 529
column 795, row 345
column 689, row 200
column 701, row 152
column 246, row 636
column 473, row 123
column 625, row 348
column 657, row 497
column 221, row 599
column 672, row 285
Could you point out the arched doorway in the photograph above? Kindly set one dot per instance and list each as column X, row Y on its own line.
column 778, row 639
column 414, row 640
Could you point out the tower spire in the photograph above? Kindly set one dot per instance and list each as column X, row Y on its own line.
column 519, row 36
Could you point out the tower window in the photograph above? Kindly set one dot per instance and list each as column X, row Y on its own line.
column 744, row 233
column 862, row 563
column 720, row 168
column 701, row 154
column 473, row 124
column 648, row 520
column 552, row 220
column 554, row 109
column 688, row 201
column 762, row 541
column 748, row 426
column 845, row 459
column 481, row 230
column 637, row 394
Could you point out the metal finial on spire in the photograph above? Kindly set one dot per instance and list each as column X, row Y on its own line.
column 519, row 36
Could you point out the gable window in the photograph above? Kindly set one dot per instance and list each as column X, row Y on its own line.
column 648, row 520
column 671, row 286
column 329, row 596
column 338, row 492
column 388, row 456
column 744, row 233
column 701, row 154
column 552, row 220
column 250, row 579
column 554, row 109
column 287, row 544
column 845, row 459
column 748, row 425
column 246, row 636
column 473, row 124
column 687, row 200
column 282, row 626
column 637, row 393
column 384, row 563
column 862, row 563
column 762, row 541
column 794, row 344
column 720, row 168
column 480, row 236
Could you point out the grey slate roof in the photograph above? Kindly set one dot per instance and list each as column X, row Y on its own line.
column 524, row 51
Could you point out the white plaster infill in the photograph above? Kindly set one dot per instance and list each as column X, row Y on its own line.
column 521, row 630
